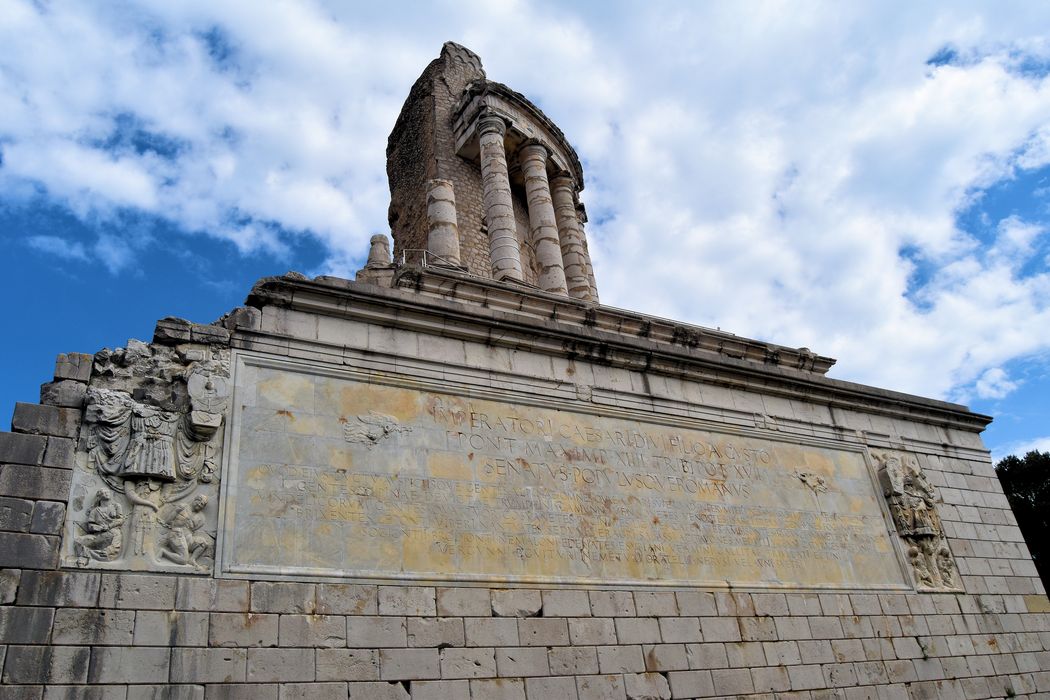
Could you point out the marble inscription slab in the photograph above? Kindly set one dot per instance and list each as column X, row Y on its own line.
column 331, row 476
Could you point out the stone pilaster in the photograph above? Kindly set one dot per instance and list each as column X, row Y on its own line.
column 499, row 207
column 570, row 233
column 443, row 235
column 543, row 225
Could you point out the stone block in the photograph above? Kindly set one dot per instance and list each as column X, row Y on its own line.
column 600, row 688
column 68, row 589
column 572, row 661
column 719, row 629
column 280, row 665
column 34, row 482
column 769, row 603
column 375, row 631
column 654, row 603
column 464, row 602
column 736, row 681
column 165, row 692
column 216, row 595
column 16, row 514
column 514, row 662
column 549, row 688
column 36, row 419
column 646, row 686
column 707, row 655
column 491, row 632
column 686, row 629
column 28, row 551
column 497, row 689
column 377, row 691
column 25, row 625
column 771, row 679
column 696, row 603
column 9, row 580
column 745, row 654
column 347, row 665
column 142, row 592
column 346, row 599
column 732, row 604
column 93, row 626
column 48, row 518
column 312, row 631
column 63, row 392
column 437, row 632
column 285, row 598
column 782, row 653
column 209, row 334
column 74, row 366
column 806, row 677
column 171, row 628
column 474, row 662
column 195, row 665
column 313, row 691
column 543, row 631
column 85, row 692
column 595, row 630
column 757, row 629
column 59, row 453
column 612, row 604
column 25, row 665
column 620, row 659
column 129, row 665
column 566, row 603
column 637, row 630
column 516, row 603
column 441, row 690
column 665, row 657
column 21, row 448
column 419, row 601
column 409, row 664
column 243, row 630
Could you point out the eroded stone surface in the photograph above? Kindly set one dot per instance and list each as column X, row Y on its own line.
column 452, row 488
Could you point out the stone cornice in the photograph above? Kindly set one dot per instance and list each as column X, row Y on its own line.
column 457, row 305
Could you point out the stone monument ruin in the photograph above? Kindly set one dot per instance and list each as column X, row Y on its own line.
column 460, row 476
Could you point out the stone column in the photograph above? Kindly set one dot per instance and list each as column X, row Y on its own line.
column 570, row 233
column 443, row 237
column 499, row 207
column 378, row 251
column 543, row 225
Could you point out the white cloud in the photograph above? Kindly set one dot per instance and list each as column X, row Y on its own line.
column 58, row 247
column 994, row 384
column 757, row 168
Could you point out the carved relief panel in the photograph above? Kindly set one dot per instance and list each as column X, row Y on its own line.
column 145, row 483
column 913, row 504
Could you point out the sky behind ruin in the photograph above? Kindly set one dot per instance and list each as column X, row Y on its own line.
column 869, row 180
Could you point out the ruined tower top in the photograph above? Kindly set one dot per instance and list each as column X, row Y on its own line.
column 481, row 180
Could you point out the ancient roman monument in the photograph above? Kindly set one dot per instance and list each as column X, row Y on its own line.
column 460, row 476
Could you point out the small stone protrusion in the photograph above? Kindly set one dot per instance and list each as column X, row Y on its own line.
column 378, row 252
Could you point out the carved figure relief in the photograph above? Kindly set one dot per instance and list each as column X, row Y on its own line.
column 913, row 504
column 146, row 464
column 371, row 428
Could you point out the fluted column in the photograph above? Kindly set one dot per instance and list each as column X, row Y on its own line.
column 443, row 236
column 499, row 207
column 570, row 233
column 543, row 225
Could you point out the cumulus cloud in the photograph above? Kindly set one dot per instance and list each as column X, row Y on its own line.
column 788, row 172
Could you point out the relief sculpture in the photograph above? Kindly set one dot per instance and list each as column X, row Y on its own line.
column 146, row 465
column 912, row 501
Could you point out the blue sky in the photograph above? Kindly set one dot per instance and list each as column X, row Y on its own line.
column 870, row 180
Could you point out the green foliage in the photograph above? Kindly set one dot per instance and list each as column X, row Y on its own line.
column 1026, row 482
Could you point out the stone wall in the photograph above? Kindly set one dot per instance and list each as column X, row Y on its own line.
column 85, row 632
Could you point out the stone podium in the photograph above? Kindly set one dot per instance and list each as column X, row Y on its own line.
column 460, row 476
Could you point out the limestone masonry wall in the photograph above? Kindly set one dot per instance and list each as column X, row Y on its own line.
column 89, row 633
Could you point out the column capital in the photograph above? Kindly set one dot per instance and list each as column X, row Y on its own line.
column 491, row 123
column 563, row 181
column 534, row 149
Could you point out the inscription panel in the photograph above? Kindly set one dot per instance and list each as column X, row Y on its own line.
column 331, row 476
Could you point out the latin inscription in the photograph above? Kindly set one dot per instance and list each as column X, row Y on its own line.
column 342, row 478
